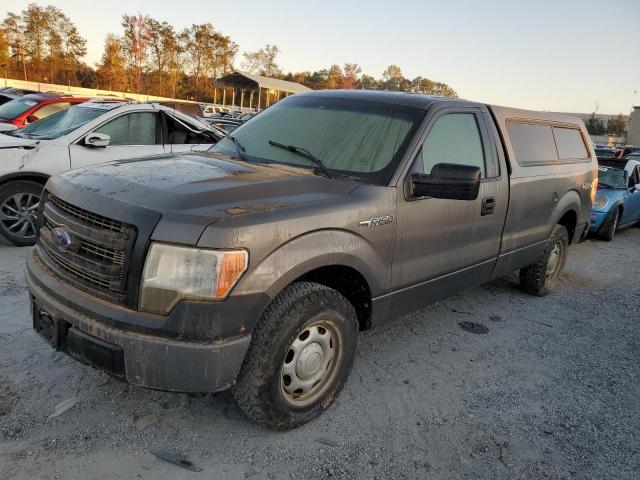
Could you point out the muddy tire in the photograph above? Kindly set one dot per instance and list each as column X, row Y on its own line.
column 301, row 354
column 608, row 230
column 19, row 202
column 540, row 278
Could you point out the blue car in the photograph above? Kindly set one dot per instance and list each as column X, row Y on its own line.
column 617, row 203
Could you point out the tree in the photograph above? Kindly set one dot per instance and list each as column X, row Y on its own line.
column 14, row 28
column 36, row 26
column 443, row 89
column 334, row 77
column 393, row 78
column 594, row 125
column 349, row 79
column 263, row 61
column 4, row 52
column 617, row 126
column 136, row 45
column 112, row 71
column 65, row 45
column 369, row 83
column 163, row 44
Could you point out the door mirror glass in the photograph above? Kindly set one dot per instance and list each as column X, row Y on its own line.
column 454, row 138
column 448, row 181
column 97, row 140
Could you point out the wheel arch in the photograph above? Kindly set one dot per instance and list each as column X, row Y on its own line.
column 315, row 257
column 37, row 177
column 567, row 213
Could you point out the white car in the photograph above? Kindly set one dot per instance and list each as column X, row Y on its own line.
column 86, row 134
column 212, row 111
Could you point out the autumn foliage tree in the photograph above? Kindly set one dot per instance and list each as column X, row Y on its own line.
column 150, row 56
column 43, row 45
column 112, row 71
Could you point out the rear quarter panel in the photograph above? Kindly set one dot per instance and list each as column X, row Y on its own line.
column 542, row 194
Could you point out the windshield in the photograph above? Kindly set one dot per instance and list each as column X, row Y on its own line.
column 611, row 177
column 60, row 123
column 12, row 109
column 354, row 138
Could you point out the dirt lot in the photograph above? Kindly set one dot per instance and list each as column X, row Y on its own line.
column 551, row 391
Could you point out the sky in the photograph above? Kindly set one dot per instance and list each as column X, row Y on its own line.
column 560, row 55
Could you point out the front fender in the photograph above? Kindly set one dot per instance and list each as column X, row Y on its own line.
column 313, row 250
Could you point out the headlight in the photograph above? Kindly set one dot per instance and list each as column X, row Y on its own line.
column 600, row 202
column 173, row 273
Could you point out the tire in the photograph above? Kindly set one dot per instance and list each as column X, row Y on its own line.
column 289, row 348
column 19, row 202
column 608, row 230
column 540, row 277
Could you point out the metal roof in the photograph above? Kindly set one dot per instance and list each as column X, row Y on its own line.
column 238, row 79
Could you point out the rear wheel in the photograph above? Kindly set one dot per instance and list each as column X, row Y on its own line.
column 19, row 202
column 610, row 226
column 540, row 278
column 300, row 357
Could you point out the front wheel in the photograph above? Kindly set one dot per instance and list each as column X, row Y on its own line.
column 300, row 357
column 19, row 202
column 540, row 277
column 610, row 226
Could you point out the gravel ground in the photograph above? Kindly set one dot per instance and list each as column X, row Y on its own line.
column 551, row 391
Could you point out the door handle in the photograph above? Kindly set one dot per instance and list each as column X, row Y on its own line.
column 488, row 206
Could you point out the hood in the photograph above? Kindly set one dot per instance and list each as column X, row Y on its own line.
column 8, row 141
column 202, row 188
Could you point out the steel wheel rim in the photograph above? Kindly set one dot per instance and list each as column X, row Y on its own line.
column 18, row 214
column 555, row 260
column 311, row 363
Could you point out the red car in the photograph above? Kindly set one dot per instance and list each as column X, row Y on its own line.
column 29, row 108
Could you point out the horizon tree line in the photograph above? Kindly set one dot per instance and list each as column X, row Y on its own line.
column 152, row 57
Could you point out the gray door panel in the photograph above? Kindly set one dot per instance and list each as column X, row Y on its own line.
column 437, row 237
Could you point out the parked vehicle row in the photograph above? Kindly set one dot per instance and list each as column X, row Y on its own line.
column 252, row 266
column 86, row 134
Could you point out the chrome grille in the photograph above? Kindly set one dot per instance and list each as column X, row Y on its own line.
column 88, row 217
column 101, row 247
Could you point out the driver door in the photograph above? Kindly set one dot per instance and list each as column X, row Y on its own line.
column 132, row 135
column 451, row 242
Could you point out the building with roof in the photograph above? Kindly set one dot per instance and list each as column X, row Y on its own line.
column 633, row 129
column 255, row 91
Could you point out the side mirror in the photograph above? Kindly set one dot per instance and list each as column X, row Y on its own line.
column 97, row 140
column 31, row 118
column 449, row 181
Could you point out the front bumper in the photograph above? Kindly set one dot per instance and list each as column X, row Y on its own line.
column 140, row 358
column 597, row 219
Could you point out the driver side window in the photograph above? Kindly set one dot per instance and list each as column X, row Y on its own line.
column 454, row 138
column 131, row 129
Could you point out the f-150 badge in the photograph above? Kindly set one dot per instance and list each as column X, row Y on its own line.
column 374, row 222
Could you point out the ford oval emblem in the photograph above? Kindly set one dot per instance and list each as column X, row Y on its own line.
column 64, row 239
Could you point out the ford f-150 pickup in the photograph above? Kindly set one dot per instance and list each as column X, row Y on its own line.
column 253, row 266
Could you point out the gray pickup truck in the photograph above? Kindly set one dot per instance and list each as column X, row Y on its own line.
column 254, row 265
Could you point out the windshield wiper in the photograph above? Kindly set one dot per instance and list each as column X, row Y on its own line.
column 606, row 185
column 304, row 153
column 239, row 148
